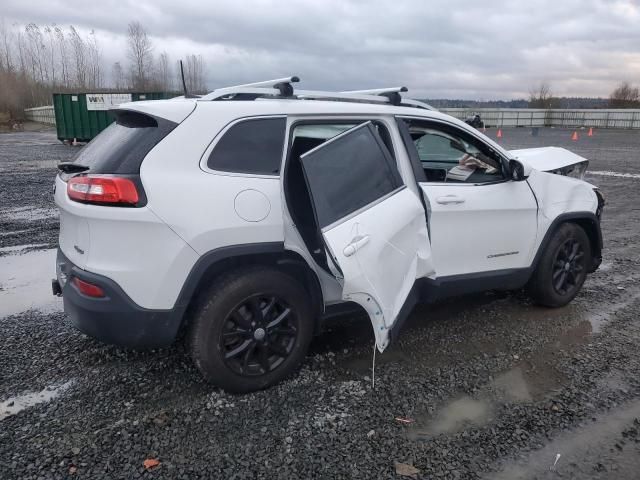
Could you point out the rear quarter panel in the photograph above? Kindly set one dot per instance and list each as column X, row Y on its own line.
column 131, row 246
column 200, row 206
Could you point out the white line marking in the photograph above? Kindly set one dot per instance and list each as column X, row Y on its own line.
column 614, row 174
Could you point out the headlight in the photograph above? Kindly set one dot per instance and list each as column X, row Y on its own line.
column 576, row 171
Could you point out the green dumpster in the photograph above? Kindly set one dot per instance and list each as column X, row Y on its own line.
column 82, row 116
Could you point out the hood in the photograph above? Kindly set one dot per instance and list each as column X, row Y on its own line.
column 554, row 160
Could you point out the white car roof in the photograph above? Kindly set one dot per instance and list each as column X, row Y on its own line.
column 178, row 109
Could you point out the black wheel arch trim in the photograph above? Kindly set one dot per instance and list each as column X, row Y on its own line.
column 594, row 232
column 220, row 260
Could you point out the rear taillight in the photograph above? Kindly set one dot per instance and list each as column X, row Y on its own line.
column 88, row 289
column 100, row 189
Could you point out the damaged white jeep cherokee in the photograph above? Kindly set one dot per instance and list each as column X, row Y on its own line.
column 245, row 217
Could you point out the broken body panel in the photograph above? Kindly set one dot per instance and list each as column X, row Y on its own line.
column 553, row 159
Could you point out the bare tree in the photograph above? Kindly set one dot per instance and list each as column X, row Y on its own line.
column 140, row 54
column 163, row 74
column 22, row 52
column 80, row 56
column 6, row 46
column 541, row 96
column 117, row 76
column 63, row 55
column 625, row 96
column 94, row 61
column 194, row 73
column 36, row 53
column 51, row 53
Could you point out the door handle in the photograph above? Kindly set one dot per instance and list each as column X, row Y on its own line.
column 447, row 199
column 356, row 244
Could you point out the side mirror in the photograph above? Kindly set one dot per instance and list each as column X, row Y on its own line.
column 518, row 170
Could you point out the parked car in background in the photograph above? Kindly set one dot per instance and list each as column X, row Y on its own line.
column 474, row 120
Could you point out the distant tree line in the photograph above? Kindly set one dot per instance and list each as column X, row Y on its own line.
column 624, row 96
column 36, row 61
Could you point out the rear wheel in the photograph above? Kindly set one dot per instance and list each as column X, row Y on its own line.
column 563, row 267
column 252, row 330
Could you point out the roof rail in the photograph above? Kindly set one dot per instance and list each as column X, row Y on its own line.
column 283, row 85
column 410, row 102
column 378, row 91
column 282, row 88
column 347, row 96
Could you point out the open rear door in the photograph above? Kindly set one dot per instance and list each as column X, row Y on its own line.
column 374, row 228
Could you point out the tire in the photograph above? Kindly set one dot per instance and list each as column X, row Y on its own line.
column 252, row 330
column 553, row 283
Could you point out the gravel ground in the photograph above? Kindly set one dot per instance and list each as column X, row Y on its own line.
column 489, row 386
column 27, row 171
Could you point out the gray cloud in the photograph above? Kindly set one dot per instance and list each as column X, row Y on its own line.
column 440, row 48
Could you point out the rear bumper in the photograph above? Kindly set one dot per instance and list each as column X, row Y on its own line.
column 114, row 318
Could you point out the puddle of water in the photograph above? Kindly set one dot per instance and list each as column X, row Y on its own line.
column 512, row 386
column 19, row 248
column 454, row 417
column 16, row 404
column 577, row 447
column 599, row 319
column 605, row 266
column 29, row 213
column 25, row 282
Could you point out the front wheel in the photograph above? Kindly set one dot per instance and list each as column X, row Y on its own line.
column 252, row 330
column 562, row 269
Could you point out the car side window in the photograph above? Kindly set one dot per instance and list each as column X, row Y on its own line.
column 250, row 146
column 450, row 155
column 315, row 134
column 348, row 173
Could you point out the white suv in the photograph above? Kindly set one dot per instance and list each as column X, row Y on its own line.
column 245, row 217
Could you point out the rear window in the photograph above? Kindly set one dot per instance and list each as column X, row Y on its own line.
column 122, row 146
column 251, row 146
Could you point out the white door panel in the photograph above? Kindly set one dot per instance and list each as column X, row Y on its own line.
column 373, row 226
column 480, row 228
column 381, row 251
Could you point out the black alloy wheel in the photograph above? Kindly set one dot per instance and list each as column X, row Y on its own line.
column 562, row 267
column 258, row 335
column 568, row 267
column 251, row 329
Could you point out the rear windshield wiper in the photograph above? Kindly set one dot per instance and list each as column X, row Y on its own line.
column 70, row 167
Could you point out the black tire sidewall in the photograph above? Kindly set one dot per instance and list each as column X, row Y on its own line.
column 541, row 284
column 223, row 297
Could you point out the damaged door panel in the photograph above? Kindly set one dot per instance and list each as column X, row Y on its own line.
column 374, row 228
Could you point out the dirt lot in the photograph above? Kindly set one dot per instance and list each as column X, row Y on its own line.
column 484, row 387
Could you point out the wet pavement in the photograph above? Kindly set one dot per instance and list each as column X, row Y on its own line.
column 488, row 386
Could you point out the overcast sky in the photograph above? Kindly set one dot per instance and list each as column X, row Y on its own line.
column 438, row 48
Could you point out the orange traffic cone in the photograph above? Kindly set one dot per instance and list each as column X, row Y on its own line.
column 499, row 133
column 574, row 137
column 590, row 134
